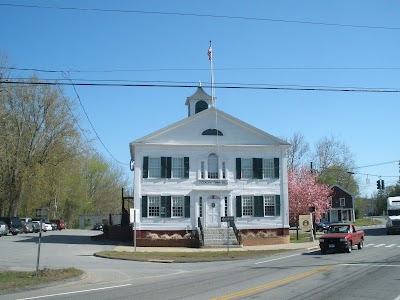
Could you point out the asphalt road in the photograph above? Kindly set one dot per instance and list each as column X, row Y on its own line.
column 370, row 273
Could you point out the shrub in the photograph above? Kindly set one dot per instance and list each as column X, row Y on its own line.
column 152, row 236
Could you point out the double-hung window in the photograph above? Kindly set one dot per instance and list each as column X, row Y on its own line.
column 178, row 206
column 247, row 168
column 269, row 205
column 342, row 201
column 247, row 206
column 213, row 166
column 178, row 169
column 154, row 206
column 154, row 167
column 268, row 168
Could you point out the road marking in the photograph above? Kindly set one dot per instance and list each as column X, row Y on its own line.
column 266, row 261
column 368, row 245
column 369, row 265
column 272, row 284
column 391, row 245
column 380, row 245
column 77, row 292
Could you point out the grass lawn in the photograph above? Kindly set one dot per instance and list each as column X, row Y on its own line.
column 19, row 279
column 187, row 256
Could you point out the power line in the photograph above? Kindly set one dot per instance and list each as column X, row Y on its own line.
column 201, row 16
column 90, row 122
column 184, row 85
column 204, row 69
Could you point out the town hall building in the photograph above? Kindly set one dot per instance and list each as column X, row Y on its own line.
column 210, row 165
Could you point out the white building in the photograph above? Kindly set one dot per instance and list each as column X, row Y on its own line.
column 206, row 166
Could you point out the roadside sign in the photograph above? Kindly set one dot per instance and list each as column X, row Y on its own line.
column 42, row 213
column 305, row 222
column 227, row 219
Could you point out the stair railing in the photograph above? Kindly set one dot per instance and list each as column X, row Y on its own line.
column 201, row 231
column 237, row 232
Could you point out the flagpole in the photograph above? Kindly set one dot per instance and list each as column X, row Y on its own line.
column 212, row 73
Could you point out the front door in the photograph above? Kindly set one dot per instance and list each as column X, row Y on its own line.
column 213, row 215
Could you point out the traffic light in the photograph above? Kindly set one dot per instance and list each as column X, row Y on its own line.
column 382, row 184
column 378, row 184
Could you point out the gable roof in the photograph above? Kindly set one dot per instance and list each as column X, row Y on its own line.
column 188, row 132
column 341, row 188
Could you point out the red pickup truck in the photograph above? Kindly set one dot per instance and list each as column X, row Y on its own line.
column 341, row 237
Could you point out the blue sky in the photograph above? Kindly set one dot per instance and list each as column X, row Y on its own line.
column 349, row 44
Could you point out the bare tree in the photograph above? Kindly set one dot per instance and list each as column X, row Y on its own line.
column 298, row 152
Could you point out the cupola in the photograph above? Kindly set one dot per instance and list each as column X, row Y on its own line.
column 198, row 102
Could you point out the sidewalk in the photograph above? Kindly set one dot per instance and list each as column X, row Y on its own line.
column 290, row 246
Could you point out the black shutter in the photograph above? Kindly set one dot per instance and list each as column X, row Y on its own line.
column 238, row 206
column 169, row 167
column 163, row 167
column 187, row 206
column 276, row 167
column 144, row 207
column 186, row 164
column 257, row 168
column 258, row 206
column 146, row 167
column 277, row 205
column 238, row 168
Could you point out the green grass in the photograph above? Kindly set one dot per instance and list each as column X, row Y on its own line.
column 22, row 279
column 187, row 256
column 366, row 222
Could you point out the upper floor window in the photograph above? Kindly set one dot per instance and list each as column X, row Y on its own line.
column 178, row 169
column 257, row 168
column 212, row 132
column 342, row 201
column 154, row 167
column 165, row 167
column 247, row 168
column 213, row 166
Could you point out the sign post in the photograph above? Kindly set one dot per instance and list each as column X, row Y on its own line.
column 228, row 220
column 40, row 213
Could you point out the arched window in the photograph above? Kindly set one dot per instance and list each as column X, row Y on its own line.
column 213, row 166
column 200, row 106
column 212, row 132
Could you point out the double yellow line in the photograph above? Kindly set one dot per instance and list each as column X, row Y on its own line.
column 272, row 284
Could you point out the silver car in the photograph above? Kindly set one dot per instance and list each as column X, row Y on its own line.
column 3, row 228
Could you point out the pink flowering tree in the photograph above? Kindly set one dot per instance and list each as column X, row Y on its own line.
column 306, row 192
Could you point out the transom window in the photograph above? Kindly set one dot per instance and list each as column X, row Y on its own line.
column 247, row 206
column 154, row 206
column 154, row 167
column 177, row 206
column 178, row 168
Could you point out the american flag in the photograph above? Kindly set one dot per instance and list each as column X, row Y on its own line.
column 210, row 53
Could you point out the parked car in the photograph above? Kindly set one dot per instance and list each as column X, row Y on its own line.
column 14, row 224
column 98, row 226
column 37, row 225
column 3, row 228
column 60, row 224
column 322, row 226
column 48, row 226
column 27, row 225
column 341, row 237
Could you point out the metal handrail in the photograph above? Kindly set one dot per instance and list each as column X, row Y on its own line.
column 237, row 232
column 201, row 230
